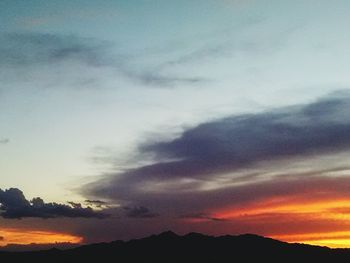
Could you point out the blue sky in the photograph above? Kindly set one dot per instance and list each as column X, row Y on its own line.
column 84, row 85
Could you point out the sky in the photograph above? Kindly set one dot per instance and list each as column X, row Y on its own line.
column 120, row 119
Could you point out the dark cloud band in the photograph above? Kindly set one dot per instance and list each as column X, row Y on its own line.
column 226, row 146
column 14, row 205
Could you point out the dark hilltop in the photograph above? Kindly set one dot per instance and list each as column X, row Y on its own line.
column 193, row 247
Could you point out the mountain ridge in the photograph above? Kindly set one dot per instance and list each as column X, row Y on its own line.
column 192, row 247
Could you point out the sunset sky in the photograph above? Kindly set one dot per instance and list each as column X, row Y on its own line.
column 120, row 119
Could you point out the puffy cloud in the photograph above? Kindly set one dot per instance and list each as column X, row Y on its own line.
column 14, row 205
column 75, row 205
column 97, row 203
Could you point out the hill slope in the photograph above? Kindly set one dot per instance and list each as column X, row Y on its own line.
column 193, row 247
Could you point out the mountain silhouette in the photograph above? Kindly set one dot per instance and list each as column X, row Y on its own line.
column 193, row 247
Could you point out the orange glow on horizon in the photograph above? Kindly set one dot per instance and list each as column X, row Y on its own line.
column 335, row 233
column 328, row 208
column 339, row 239
column 26, row 237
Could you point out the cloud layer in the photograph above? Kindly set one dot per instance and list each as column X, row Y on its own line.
column 231, row 160
column 139, row 212
column 29, row 49
column 21, row 52
column 14, row 205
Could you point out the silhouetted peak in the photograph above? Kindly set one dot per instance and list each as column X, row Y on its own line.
column 252, row 238
column 193, row 247
column 168, row 234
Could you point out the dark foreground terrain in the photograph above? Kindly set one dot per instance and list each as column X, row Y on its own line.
column 193, row 247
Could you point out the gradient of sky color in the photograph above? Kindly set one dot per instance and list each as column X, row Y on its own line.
column 96, row 95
